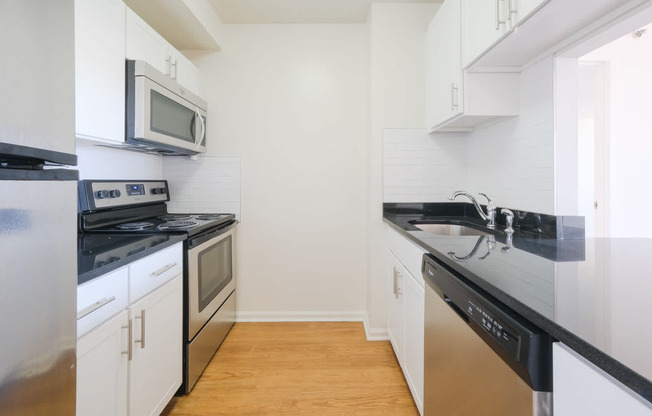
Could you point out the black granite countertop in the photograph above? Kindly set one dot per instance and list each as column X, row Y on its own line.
column 590, row 294
column 98, row 254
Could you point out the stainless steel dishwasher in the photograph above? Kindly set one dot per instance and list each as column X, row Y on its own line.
column 481, row 358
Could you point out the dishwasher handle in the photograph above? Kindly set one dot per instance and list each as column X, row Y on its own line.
column 457, row 309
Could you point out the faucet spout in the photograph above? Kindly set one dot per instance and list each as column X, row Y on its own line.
column 490, row 216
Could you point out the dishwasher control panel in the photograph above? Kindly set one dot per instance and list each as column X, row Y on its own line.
column 498, row 330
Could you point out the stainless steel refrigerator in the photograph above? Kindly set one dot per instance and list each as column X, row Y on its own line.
column 38, row 205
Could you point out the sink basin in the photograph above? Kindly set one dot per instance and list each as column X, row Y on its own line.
column 450, row 229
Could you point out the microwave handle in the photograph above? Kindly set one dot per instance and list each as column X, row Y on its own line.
column 199, row 138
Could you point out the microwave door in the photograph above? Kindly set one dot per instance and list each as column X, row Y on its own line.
column 167, row 118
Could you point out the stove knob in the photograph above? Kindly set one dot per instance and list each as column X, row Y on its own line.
column 102, row 194
column 158, row 191
column 115, row 193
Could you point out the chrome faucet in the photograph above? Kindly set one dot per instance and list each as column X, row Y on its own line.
column 490, row 216
column 509, row 220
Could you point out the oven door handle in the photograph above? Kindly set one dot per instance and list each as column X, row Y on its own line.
column 202, row 238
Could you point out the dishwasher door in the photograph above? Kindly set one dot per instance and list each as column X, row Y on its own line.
column 480, row 359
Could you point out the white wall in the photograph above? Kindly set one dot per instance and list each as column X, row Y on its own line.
column 99, row 162
column 397, row 36
column 290, row 100
column 629, row 124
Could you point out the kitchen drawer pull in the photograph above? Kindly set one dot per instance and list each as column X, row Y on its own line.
column 92, row 308
column 454, row 98
column 163, row 269
column 130, row 351
column 142, row 329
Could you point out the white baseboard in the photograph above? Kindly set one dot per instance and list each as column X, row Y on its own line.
column 374, row 334
column 302, row 316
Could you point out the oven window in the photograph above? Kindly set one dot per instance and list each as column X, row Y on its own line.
column 215, row 271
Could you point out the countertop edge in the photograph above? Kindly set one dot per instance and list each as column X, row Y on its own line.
column 600, row 359
column 100, row 271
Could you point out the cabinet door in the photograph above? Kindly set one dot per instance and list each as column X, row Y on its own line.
column 395, row 305
column 521, row 9
column 146, row 44
column 582, row 389
column 102, row 369
column 483, row 23
column 183, row 70
column 100, row 69
column 413, row 318
column 155, row 371
column 445, row 95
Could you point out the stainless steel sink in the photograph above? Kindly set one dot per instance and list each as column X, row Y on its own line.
column 450, row 229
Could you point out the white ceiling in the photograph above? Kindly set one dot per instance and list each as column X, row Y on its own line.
column 298, row 11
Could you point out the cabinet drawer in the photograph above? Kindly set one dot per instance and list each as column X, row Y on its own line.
column 407, row 252
column 100, row 299
column 151, row 272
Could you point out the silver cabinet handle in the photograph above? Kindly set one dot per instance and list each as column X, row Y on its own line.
column 130, row 351
column 95, row 306
column 142, row 329
column 162, row 270
column 454, row 93
column 171, row 64
column 498, row 21
column 397, row 287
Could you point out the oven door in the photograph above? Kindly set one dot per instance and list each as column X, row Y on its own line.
column 211, row 277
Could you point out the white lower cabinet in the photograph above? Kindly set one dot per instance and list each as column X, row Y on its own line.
column 580, row 388
column 155, row 371
column 413, row 309
column 130, row 363
column 405, row 311
column 102, row 366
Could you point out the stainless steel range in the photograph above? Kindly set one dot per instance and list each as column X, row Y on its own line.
column 137, row 207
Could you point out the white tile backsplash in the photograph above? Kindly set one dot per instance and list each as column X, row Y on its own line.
column 418, row 167
column 209, row 184
column 511, row 161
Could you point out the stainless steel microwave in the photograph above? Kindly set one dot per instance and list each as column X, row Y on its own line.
column 161, row 115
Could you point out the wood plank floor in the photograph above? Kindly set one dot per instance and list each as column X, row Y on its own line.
column 299, row 368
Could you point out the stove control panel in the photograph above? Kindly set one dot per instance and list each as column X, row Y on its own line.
column 105, row 194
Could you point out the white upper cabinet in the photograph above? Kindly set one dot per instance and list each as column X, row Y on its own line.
column 459, row 100
column 486, row 22
column 100, row 70
column 144, row 43
column 544, row 26
column 183, row 70
column 443, row 63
